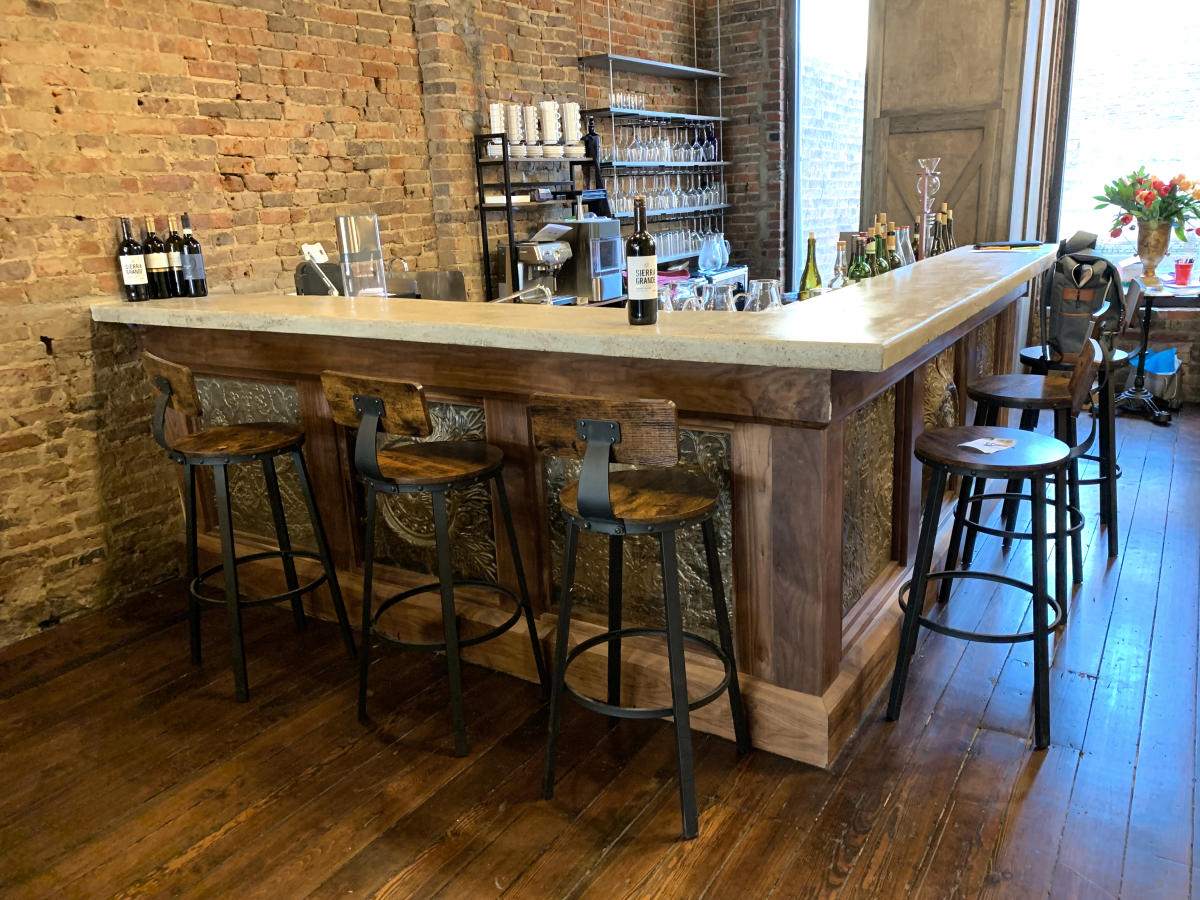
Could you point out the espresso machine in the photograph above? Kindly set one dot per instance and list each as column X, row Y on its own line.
column 597, row 258
column 537, row 263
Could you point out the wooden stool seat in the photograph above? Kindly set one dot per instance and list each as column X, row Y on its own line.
column 1022, row 392
column 651, row 496
column 248, row 439
column 439, row 462
column 1033, row 453
column 1036, row 358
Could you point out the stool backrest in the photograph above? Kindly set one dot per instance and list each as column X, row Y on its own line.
column 649, row 431
column 183, row 396
column 405, row 411
column 1083, row 376
column 1133, row 299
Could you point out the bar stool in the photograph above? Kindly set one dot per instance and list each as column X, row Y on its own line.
column 395, row 407
column 217, row 448
column 1036, row 458
column 1041, row 360
column 657, row 501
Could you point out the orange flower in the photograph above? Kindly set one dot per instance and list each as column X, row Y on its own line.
column 1196, row 194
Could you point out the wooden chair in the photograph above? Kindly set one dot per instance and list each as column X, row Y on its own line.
column 658, row 500
column 218, row 448
column 374, row 405
column 1035, row 458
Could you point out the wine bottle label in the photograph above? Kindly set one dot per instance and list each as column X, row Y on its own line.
column 133, row 270
column 193, row 267
column 643, row 277
column 156, row 262
column 175, row 259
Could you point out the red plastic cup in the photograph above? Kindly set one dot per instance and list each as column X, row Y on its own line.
column 1183, row 272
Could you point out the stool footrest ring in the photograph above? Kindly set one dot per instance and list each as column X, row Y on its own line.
column 197, row 584
column 1073, row 512
column 644, row 712
column 1059, row 615
column 439, row 646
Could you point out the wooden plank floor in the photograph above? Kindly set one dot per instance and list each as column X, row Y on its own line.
column 127, row 772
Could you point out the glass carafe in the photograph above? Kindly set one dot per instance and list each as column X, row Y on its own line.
column 711, row 251
column 719, row 297
column 764, row 294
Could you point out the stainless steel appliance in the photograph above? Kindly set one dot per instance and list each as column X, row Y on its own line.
column 538, row 262
column 597, row 252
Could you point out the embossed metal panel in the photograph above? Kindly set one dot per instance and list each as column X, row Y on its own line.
column 867, row 495
column 228, row 401
column 705, row 453
column 404, row 533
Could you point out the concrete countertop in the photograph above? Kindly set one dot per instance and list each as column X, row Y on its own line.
column 866, row 327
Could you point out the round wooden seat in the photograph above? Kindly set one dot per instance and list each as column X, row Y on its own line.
column 439, row 462
column 1022, row 391
column 651, row 496
column 249, row 439
column 1036, row 358
column 1033, row 453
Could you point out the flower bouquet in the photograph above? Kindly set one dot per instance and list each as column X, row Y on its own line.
column 1159, row 206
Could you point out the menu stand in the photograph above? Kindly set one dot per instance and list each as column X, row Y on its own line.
column 1137, row 399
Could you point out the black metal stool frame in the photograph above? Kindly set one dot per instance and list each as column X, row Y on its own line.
column 367, row 464
column 230, row 562
column 597, row 515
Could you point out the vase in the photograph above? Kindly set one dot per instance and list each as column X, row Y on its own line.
column 1151, row 248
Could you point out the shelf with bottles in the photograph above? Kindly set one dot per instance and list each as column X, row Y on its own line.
column 622, row 113
column 616, row 62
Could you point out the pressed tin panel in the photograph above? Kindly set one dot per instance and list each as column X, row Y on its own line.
column 705, row 453
column 867, row 495
column 984, row 339
column 941, row 393
column 228, row 401
column 404, row 531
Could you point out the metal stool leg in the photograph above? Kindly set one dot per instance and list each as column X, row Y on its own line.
column 616, row 559
column 1041, row 652
column 282, row 538
column 740, row 731
column 1073, row 482
column 1108, row 437
column 335, row 590
column 956, row 530
column 1060, row 539
column 916, row 592
column 538, row 658
column 229, row 570
column 560, row 657
column 1029, row 420
column 364, row 651
column 987, row 414
column 193, row 568
column 441, row 528
column 679, row 694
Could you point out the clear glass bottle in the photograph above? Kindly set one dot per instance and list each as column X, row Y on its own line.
column 839, row 268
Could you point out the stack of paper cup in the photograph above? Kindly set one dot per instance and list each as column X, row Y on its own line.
column 532, row 142
column 571, row 129
column 496, row 117
column 551, row 129
column 515, row 122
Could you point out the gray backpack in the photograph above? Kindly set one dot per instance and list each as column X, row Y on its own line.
column 1079, row 285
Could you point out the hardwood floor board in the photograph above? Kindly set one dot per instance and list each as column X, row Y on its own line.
column 1151, row 877
column 565, row 863
column 1093, row 836
column 1026, row 848
column 756, row 862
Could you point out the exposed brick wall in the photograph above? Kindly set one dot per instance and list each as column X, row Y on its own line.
column 264, row 119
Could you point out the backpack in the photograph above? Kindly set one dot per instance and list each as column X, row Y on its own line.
column 1079, row 285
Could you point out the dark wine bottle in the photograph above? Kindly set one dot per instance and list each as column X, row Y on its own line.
column 936, row 244
column 915, row 240
column 948, row 231
column 195, row 284
column 641, row 265
column 868, row 239
column 133, row 265
column 155, row 254
column 881, row 260
column 810, row 278
column 893, row 255
column 174, row 245
column 858, row 270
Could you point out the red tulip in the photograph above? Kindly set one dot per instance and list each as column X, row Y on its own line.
column 1163, row 190
column 1116, row 232
column 1126, row 219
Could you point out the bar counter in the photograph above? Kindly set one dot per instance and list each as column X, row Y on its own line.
column 805, row 418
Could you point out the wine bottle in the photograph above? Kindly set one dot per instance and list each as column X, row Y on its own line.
column 641, row 265
column 882, row 265
column 948, row 231
column 869, row 251
column 915, row 240
column 839, row 268
column 155, row 254
column 195, row 284
column 174, row 245
column 858, row 270
column 936, row 244
column 810, row 279
column 133, row 265
column 895, row 261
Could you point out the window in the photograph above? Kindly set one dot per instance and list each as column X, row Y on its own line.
column 1135, row 97
column 831, row 73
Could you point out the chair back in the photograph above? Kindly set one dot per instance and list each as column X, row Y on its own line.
column 175, row 381
column 1083, row 375
column 600, row 432
column 1133, row 299
column 401, row 405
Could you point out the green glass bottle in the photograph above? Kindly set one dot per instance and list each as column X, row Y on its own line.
column 936, row 244
column 858, row 268
column 881, row 260
column 810, row 279
column 894, row 260
column 915, row 240
column 868, row 241
column 948, row 232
